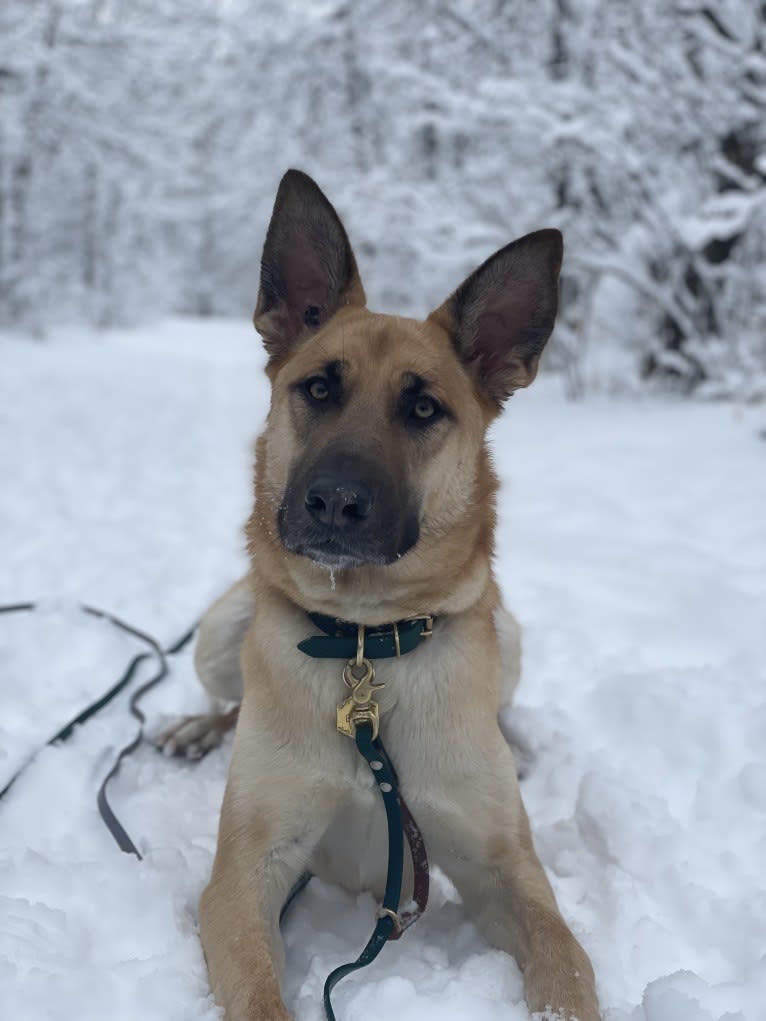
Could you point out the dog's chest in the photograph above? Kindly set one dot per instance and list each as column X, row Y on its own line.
column 352, row 852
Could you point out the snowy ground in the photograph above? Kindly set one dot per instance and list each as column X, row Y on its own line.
column 633, row 548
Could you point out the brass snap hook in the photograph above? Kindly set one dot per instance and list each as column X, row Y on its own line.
column 360, row 707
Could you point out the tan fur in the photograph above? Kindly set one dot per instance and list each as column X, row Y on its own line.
column 220, row 636
column 298, row 794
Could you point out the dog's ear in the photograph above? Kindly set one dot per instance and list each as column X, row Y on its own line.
column 502, row 315
column 308, row 269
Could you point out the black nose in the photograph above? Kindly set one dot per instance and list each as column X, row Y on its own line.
column 333, row 500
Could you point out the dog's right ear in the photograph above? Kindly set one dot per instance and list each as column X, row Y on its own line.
column 308, row 270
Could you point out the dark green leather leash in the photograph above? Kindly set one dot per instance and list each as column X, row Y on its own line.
column 155, row 650
column 358, row 718
column 388, row 924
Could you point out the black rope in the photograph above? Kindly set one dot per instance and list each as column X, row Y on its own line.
column 108, row 816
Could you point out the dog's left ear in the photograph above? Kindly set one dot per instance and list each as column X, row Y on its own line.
column 308, row 269
column 502, row 315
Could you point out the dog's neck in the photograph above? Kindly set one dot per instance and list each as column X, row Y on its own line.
column 451, row 583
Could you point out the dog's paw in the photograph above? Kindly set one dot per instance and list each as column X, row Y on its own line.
column 194, row 736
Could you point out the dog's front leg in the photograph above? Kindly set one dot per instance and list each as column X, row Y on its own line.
column 273, row 815
column 485, row 846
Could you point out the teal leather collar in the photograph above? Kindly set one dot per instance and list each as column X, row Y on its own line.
column 339, row 640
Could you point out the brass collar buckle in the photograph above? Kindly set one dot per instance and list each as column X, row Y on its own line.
column 426, row 631
column 428, row 623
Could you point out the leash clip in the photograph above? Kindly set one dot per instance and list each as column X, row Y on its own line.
column 361, row 706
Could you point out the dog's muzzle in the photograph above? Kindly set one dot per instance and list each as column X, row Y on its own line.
column 346, row 518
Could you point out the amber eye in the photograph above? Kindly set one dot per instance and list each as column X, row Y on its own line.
column 425, row 407
column 318, row 389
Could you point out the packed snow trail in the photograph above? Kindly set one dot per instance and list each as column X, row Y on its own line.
column 632, row 546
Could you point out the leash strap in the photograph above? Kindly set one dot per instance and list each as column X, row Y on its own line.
column 358, row 718
column 388, row 918
column 109, row 818
column 419, row 857
column 401, row 823
column 112, row 823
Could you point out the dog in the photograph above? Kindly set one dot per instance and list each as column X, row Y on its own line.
column 375, row 503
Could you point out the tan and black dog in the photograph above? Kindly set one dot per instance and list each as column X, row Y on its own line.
column 374, row 502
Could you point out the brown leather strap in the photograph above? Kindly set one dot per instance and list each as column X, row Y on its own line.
column 419, row 856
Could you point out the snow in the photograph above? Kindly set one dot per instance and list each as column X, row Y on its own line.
column 633, row 548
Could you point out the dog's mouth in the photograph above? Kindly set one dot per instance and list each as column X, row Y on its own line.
column 334, row 554
column 335, row 561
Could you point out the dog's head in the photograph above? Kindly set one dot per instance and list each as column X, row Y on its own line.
column 374, row 448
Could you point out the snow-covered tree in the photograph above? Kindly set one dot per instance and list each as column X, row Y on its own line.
column 141, row 142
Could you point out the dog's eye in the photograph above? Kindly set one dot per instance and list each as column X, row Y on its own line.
column 425, row 408
column 317, row 389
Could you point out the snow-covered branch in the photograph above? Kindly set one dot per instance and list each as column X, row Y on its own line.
column 141, row 143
